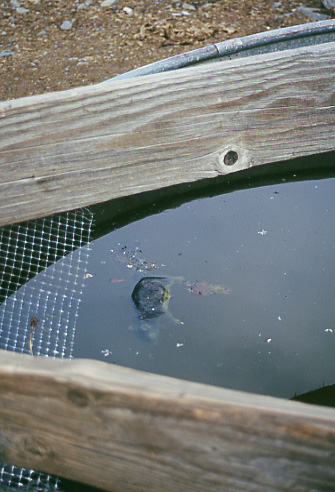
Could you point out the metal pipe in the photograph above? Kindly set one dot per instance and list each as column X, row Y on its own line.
column 265, row 42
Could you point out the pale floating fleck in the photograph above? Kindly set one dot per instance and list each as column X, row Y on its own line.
column 179, row 345
column 279, row 318
column 106, row 352
column 328, row 330
column 88, row 275
column 262, row 232
column 268, row 340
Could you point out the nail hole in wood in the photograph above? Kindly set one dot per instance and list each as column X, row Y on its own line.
column 230, row 158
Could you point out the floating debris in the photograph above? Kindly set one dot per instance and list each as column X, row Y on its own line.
column 133, row 259
column 202, row 288
column 106, row 352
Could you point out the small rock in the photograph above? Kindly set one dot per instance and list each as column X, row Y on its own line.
column 278, row 6
column 187, row 6
column 14, row 3
column 21, row 10
column 84, row 5
column 66, row 25
column 127, row 10
column 328, row 4
column 107, row 3
column 313, row 14
column 7, row 52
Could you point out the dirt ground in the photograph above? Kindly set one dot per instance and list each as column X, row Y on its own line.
column 41, row 53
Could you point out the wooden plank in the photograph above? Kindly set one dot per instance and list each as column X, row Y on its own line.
column 125, row 430
column 65, row 150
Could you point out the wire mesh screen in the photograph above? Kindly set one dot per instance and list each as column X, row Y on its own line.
column 43, row 265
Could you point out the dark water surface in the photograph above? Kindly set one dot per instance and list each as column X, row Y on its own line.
column 272, row 246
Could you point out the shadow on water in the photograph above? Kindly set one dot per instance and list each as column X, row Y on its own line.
column 69, row 486
column 321, row 396
column 117, row 213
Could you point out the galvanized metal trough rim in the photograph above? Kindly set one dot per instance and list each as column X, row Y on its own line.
column 264, row 42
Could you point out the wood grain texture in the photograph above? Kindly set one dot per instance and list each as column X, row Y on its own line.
column 70, row 149
column 125, row 430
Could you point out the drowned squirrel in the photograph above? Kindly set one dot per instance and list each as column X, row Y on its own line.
column 151, row 295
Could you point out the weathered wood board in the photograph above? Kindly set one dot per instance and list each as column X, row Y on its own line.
column 70, row 149
column 125, row 430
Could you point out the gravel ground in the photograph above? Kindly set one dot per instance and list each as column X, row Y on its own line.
column 60, row 44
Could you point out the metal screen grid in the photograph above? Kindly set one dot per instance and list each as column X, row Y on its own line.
column 15, row 478
column 43, row 266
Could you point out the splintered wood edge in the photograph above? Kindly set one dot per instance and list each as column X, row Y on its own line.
column 70, row 149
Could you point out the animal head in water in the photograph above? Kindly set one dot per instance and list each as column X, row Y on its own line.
column 151, row 298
